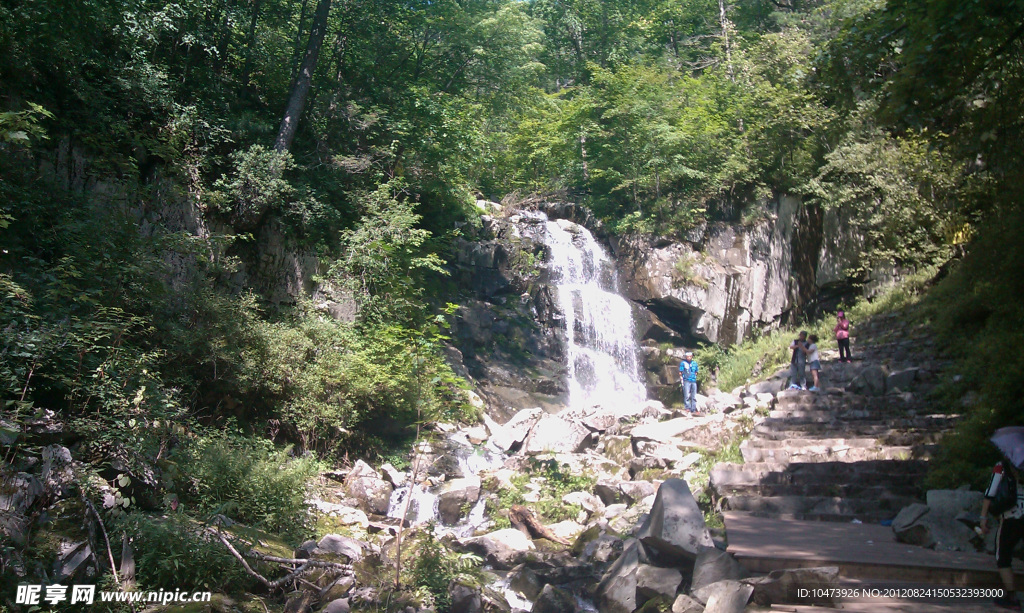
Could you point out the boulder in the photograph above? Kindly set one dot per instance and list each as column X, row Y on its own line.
column 554, row 600
column 464, row 599
column 338, row 545
column 524, row 582
column 555, row 434
column 635, row 491
column 917, row 524
column 608, row 492
column 339, row 605
column 514, row 431
column 476, row 435
column 71, row 560
column 687, row 604
column 502, row 549
column 954, row 502
column 655, row 581
column 366, row 487
column 665, row 431
column 675, row 526
column 784, row 586
column 392, row 475
column 724, row 597
column 713, row 565
column 617, row 591
column 455, row 496
column 602, row 549
column 901, row 380
column 870, row 381
column 588, row 502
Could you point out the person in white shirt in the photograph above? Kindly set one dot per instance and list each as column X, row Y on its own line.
column 813, row 359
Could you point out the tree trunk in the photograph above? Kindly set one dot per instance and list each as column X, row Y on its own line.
column 303, row 81
column 725, row 37
column 250, row 42
column 525, row 521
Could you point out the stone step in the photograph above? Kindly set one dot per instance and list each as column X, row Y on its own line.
column 818, row 415
column 893, row 434
column 902, row 487
column 896, row 473
column 820, row 508
column 833, row 453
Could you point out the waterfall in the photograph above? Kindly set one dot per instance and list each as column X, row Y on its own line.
column 602, row 350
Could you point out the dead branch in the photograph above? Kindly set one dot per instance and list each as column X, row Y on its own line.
column 526, row 522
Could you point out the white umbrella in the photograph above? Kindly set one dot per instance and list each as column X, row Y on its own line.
column 1010, row 441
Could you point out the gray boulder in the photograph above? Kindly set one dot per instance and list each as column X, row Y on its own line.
column 870, row 381
column 524, row 582
column 655, row 581
column 339, row 605
column 724, row 596
column 901, row 380
column 502, row 549
column 917, row 524
column 675, row 526
column 554, row 434
column 687, row 604
column 713, row 565
column 954, row 502
column 554, row 600
column 635, row 491
column 617, row 591
column 464, row 599
column 784, row 586
column 366, row 487
column 608, row 492
column 338, row 545
column 455, row 496
column 515, row 430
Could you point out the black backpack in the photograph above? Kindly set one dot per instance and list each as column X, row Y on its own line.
column 1006, row 495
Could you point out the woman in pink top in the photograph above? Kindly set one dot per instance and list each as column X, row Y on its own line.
column 842, row 331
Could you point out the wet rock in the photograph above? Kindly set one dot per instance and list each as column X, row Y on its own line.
column 502, row 549
column 655, row 581
column 392, row 475
column 524, row 582
column 455, row 496
column 713, row 565
column 675, row 527
column 554, row 600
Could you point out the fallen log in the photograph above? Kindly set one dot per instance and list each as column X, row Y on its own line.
column 526, row 522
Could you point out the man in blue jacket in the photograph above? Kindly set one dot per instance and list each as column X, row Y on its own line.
column 688, row 375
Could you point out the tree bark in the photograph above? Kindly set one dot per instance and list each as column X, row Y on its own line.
column 526, row 522
column 304, row 80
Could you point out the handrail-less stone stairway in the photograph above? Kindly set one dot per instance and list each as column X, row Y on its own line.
column 856, row 451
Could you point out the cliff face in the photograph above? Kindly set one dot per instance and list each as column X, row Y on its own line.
column 727, row 279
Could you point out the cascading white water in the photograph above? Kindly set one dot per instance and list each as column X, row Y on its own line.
column 602, row 349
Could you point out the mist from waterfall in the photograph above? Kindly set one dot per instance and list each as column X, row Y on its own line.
column 602, row 350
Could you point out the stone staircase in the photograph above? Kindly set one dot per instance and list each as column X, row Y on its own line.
column 858, row 450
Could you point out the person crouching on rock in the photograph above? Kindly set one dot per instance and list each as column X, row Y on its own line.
column 688, row 376
column 1010, row 532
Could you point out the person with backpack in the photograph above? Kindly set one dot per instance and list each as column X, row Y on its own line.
column 688, row 376
column 842, row 331
column 1005, row 500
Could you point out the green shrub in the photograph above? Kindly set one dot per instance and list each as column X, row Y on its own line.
column 247, row 480
column 176, row 552
column 435, row 567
